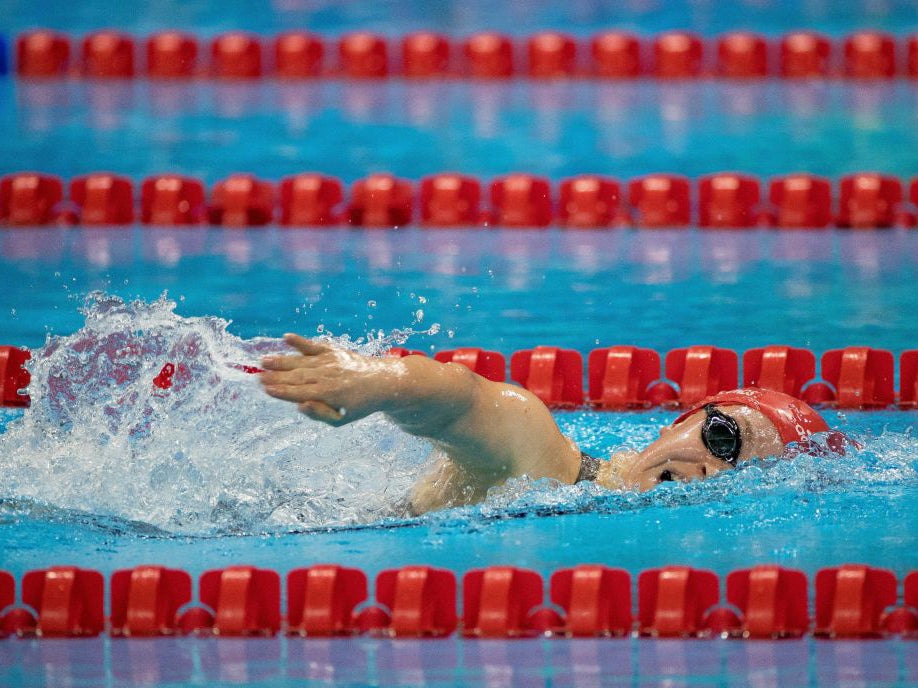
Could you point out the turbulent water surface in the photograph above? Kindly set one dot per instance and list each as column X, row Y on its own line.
column 103, row 445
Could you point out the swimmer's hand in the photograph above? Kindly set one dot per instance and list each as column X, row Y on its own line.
column 328, row 384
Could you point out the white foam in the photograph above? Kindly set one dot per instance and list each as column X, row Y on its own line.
column 211, row 454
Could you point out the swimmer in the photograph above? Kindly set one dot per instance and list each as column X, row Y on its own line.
column 488, row 432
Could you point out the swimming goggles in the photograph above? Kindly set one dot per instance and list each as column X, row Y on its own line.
column 721, row 435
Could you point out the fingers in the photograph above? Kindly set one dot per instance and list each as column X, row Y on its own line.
column 295, row 376
column 282, row 362
column 297, row 393
column 307, row 347
column 319, row 410
column 307, row 404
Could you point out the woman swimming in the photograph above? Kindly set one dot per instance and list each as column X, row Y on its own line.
column 490, row 431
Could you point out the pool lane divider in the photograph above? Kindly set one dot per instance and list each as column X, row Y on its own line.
column 487, row 55
column 852, row 601
column 726, row 200
column 620, row 378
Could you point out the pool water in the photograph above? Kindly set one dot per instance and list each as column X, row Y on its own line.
column 106, row 473
column 557, row 129
column 585, row 662
column 163, row 458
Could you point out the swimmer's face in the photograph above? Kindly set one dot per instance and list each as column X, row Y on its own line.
column 682, row 454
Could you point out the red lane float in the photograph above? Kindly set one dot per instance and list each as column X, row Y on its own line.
column 245, row 602
column 805, row 55
column 67, row 603
column 552, row 55
column 779, row 368
column 421, row 602
column 869, row 200
column 623, row 377
column 7, row 598
column 742, row 55
column 772, row 601
column 908, row 379
column 30, row 199
column 450, row 200
column 488, row 56
column 911, row 598
column 620, row 377
column 236, row 55
column 521, row 200
column 673, row 601
column 489, row 364
column 103, row 199
column 616, row 55
column 596, row 600
column 764, row 601
column 870, row 55
column 590, row 201
column 171, row 55
column 13, row 377
column 298, row 55
column 701, row 371
column 42, row 54
column 108, row 55
column 425, row 55
column 170, row 199
column 498, row 602
column 401, row 352
column 310, row 200
column 321, row 600
column 851, row 599
column 728, row 200
column 800, row 201
column 381, row 200
column 861, row 377
column 677, row 55
column 145, row 600
column 554, row 375
column 241, row 200
column 660, row 200
column 363, row 55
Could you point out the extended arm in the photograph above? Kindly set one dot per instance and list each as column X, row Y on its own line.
column 488, row 431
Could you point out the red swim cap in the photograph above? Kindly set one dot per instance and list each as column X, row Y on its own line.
column 794, row 419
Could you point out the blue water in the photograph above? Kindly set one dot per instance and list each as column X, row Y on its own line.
column 500, row 290
column 396, row 18
column 497, row 290
column 347, row 662
column 350, row 130
column 107, row 475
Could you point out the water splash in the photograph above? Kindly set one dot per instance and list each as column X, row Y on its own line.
column 755, row 495
column 209, row 454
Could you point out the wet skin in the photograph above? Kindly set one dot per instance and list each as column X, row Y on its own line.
column 483, row 431
column 680, row 454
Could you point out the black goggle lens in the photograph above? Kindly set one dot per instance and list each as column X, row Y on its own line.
column 721, row 435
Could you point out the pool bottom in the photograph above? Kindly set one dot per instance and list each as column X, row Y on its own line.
column 368, row 661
